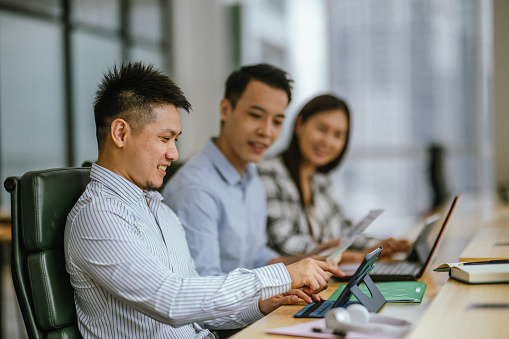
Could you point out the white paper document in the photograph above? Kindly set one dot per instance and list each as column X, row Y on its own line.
column 353, row 234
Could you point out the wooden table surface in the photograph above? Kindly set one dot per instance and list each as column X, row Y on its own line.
column 466, row 221
column 5, row 231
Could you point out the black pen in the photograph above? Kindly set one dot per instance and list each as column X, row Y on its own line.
column 486, row 262
column 330, row 331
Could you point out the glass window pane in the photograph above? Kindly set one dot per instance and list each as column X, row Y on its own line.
column 102, row 14
column 408, row 71
column 47, row 7
column 93, row 56
column 32, row 113
column 145, row 20
column 146, row 55
column 397, row 185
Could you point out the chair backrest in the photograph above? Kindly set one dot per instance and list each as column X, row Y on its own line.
column 40, row 203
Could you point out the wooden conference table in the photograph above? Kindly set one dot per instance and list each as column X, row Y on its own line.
column 445, row 311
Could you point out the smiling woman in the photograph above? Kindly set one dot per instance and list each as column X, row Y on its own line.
column 302, row 212
column 303, row 215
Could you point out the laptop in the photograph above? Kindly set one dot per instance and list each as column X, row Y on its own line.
column 419, row 255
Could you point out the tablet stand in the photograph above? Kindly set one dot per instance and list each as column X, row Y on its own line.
column 373, row 303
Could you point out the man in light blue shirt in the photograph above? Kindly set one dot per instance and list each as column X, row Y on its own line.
column 126, row 252
column 223, row 213
column 221, row 200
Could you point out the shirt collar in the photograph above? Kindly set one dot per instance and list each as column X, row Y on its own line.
column 123, row 187
column 225, row 168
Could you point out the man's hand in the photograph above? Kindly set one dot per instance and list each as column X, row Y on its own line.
column 333, row 261
column 288, row 298
column 311, row 275
column 392, row 246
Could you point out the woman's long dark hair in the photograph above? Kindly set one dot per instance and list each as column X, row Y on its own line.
column 292, row 156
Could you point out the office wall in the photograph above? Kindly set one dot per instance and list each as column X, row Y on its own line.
column 501, row 89
column 203, row 56
column 200, row 65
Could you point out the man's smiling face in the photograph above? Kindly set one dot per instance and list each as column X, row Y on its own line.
column 253, row 125
column 149, row 151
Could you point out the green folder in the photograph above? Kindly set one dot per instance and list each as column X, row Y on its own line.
column 393, row 291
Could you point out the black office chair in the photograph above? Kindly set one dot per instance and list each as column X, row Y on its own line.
column 436, row 174
column 40, row 203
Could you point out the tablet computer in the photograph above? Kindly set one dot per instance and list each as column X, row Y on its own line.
column 373, row 303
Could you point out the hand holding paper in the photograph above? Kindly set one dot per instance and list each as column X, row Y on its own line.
column 353, row 234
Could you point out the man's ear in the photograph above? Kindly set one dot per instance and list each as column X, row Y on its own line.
column 118, row 131
column 225, row 107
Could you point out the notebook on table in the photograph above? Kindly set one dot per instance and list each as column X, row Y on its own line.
column 419, row 255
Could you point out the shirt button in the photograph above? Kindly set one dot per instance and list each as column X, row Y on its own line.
column 239, row 295
column 276, row 281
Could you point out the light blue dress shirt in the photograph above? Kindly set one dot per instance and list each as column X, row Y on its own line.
column 224, row 214
column 133, row 275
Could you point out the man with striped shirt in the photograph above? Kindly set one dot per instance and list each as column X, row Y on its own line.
column 126, row 252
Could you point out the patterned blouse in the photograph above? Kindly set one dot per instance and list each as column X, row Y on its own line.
column 290, row 228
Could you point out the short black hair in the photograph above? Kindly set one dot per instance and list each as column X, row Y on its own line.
column 131, row 92
column 268, row 74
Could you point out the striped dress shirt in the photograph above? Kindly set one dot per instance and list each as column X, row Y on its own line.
column 133, row 275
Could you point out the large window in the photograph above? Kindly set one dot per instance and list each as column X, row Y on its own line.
column 32, row 129
column 415, row 75
column 52, row 55
column 409, row 70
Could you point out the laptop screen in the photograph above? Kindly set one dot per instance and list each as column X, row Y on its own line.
column 424, row 242
column 428, row 239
